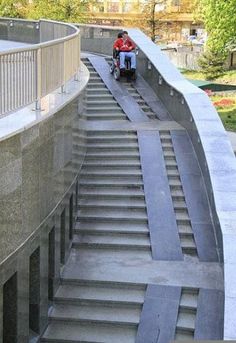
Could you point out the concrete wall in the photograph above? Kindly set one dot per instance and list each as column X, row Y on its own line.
column 185, row 60
column 19, row 30
column 192, row 108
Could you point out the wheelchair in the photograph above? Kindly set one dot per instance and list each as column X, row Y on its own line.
column 115, row 67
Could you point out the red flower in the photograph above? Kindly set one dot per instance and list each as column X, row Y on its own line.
column 224, row 103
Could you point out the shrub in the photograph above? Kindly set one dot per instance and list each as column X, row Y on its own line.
column 212, row 64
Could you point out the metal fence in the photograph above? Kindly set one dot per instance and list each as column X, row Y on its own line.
column 27, row 74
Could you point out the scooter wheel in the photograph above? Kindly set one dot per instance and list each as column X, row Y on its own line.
column 117, row 73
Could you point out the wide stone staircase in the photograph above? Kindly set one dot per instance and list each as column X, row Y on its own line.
column 105, row 285
column 112, row 221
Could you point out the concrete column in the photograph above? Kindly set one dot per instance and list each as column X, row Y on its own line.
column 121, row 2
column 105, row 6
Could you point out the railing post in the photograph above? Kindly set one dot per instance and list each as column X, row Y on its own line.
column 38, row 80
column 76, row 77
column 63, row 86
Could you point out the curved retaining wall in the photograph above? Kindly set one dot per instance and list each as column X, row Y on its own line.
column 192, row 108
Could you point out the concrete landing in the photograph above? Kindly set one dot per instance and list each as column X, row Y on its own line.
column 153, row 125
column 139, row 268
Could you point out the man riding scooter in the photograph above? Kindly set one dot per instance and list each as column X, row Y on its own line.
column 125, row 47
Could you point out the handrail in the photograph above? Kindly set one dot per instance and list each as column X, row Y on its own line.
column 29, row 73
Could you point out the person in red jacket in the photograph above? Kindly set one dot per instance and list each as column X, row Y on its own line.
column 125, row 46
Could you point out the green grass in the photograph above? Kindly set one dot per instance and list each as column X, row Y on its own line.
column 229, row 77
column 227, row 114
column 228, row 118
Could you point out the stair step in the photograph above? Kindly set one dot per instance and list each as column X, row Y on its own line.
column 113, row 192
column 111, row 227
column 88, row 333
column 115, row 314
column 104, row 110
column 97, row 91
column 113, row 146
column 112, row 203
column 182, row 215
column 108, row 158
column 108, row 254
column 113, row 213
column 173, row 172
column 109, row 173
column 112, row 167
column 183, row 335
column 122, row 294
column 179, row 204
column 106, row 97
column 101, row 101
column 117, row 239
column 96, row 84
column 189, row 298
column 113, row 139
column 186, row 320
column 101, row 156
column 185, row 229
column 112, row 182
column 111, row 116
column 107, row 133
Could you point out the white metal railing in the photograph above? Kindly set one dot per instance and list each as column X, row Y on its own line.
column 27, row 74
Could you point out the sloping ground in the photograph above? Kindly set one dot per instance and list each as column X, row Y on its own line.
column 143, row 265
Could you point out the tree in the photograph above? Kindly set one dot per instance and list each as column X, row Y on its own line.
column 13, row 9
column 160, row 15
column 62, row 10
column 219, row 19
column 153, row 11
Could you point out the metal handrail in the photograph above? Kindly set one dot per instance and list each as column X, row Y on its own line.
column 29, row 73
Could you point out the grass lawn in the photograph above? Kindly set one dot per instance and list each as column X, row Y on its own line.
column 227, row 112
column 226, row 107
column 229, row 77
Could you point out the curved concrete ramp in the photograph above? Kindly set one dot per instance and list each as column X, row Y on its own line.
column 144, row 263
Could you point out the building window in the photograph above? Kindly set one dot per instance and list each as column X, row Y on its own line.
column 175, row 2
column 113, row 7
column 127, row 6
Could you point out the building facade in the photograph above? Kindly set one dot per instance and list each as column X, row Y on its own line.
column 173, row 19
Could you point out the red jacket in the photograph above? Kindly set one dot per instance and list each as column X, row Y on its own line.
column 122, row 45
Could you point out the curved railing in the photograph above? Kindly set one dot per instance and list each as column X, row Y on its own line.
column 30, row 73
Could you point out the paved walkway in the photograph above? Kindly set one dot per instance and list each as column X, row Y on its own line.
column 6, row 44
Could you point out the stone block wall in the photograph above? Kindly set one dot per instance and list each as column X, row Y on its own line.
column 38, row 185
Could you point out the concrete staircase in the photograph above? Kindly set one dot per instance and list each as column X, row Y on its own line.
column 135, row 94
column 87, row 311
column 100, row 104
column 112, row 210
column 186, row 235
column 185, row 326
column 112, row 221
column 93, row 304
